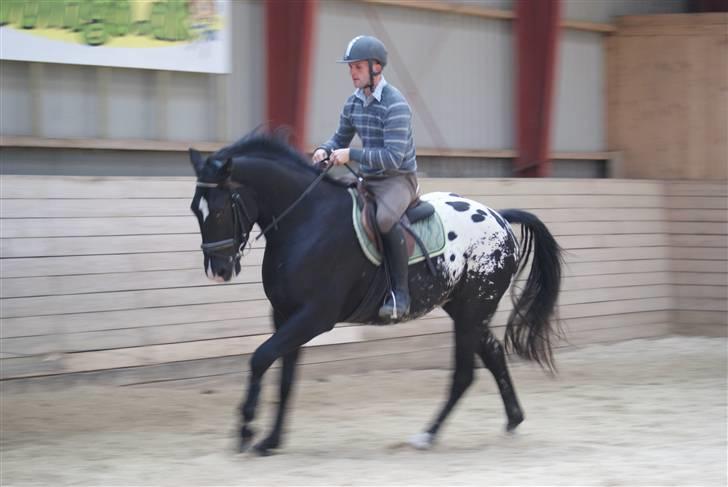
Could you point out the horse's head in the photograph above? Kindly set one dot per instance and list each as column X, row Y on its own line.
column 225, row 212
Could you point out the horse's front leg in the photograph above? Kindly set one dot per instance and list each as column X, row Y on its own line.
column 296, row 331
column 288, row 372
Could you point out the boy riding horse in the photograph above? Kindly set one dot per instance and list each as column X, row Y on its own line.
column 379, row 114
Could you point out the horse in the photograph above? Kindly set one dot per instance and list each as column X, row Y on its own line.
column 316, row 275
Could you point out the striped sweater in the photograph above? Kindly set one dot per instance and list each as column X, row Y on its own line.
column 384, row 125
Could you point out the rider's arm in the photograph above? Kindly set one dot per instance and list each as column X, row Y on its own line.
column 397, row 127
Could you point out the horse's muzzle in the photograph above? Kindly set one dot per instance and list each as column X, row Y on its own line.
column 222, row 270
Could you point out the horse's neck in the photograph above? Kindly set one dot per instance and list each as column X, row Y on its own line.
column 278, row 186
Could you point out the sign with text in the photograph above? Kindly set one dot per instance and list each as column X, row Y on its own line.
column 174, row 35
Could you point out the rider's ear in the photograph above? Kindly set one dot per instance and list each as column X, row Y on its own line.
column 197, row 161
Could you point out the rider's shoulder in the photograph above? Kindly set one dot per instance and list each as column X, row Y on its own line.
column 390, row 95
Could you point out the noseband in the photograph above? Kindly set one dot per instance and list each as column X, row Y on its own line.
column 240, row 235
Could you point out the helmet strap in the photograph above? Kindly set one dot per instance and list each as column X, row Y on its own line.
column 372, row 74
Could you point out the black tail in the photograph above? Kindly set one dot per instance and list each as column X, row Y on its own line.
column 530, row 328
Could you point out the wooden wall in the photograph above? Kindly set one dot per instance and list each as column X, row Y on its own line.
column 667, row 96
column 698, row 231
column 102, row 277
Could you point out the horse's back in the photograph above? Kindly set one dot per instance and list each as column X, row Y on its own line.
column 479, row 240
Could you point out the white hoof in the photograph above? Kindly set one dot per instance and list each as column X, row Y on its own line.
column 421, row 441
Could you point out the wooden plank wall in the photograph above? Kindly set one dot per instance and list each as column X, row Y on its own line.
column 105, row 274
column 667, row 93
column 698, row 226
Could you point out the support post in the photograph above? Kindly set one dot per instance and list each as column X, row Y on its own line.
column 537, row 32
column 289, row 39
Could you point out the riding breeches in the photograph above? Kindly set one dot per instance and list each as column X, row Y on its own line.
column 393, row 195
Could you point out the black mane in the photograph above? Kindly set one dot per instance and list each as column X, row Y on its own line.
column 273, row 147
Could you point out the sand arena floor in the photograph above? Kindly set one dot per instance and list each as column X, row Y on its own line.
column 642, row 412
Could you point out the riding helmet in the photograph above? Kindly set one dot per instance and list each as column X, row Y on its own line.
column 362, row 48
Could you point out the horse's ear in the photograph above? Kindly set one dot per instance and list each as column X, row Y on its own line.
column 221, row 169
column 197, row 161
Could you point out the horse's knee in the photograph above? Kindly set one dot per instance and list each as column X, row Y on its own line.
column 261, row 360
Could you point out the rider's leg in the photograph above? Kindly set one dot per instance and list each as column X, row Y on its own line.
column 397, row 303
column 394, row 194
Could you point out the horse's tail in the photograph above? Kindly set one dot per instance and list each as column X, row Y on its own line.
column 530, row 327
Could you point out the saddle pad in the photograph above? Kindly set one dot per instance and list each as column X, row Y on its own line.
column 430, row 230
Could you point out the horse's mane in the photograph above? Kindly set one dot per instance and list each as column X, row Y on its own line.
column 274, row 147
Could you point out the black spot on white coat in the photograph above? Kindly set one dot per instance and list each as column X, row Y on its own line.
column 459, row 205
column 498, row 218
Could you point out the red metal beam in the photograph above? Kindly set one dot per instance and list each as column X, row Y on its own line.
column 537, row 33
column 289, row 39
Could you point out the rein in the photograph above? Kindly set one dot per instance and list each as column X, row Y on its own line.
column 274, row 223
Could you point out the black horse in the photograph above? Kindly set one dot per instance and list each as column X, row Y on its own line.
column 315, row 274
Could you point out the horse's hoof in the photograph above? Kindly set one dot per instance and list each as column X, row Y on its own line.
column 246, row 439
column 262, row 450
column 514, row 419
column 265, row 448
column 243, row 445
column 513, row 424
column 422, row 441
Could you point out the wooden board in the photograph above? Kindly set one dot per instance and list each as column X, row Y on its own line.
column 112, row 277
column 667, row 92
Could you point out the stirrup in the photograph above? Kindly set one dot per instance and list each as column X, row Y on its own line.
column 393, row 309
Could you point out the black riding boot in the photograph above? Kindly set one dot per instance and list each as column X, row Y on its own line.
column 397, row 303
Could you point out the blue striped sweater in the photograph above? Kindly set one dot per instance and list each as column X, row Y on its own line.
column 384, row 125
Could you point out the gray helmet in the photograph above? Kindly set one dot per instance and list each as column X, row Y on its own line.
column 362, row 48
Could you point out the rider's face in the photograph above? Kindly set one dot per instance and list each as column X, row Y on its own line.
column 359, row 72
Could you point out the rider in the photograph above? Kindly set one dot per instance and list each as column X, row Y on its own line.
column 381, row 117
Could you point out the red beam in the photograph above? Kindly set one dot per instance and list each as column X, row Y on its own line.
column 537, row 31
column 289, row 36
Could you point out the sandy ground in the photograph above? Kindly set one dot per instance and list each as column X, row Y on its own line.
column 643, row 412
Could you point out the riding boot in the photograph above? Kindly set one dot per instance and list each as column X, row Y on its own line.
column 397, row 303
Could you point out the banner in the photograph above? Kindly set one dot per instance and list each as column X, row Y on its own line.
column 174, row 35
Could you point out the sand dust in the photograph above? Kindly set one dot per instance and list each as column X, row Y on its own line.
column 643, row 412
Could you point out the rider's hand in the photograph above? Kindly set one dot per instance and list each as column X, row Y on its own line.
column 340, row 157
column 319, row 155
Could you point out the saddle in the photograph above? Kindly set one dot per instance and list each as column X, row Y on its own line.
column 424, row 232
column 417, row 211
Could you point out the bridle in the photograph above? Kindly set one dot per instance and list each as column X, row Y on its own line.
column 240, row 234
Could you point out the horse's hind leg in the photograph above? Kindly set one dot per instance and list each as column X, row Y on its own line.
column 466, row 342
column 493, row 356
